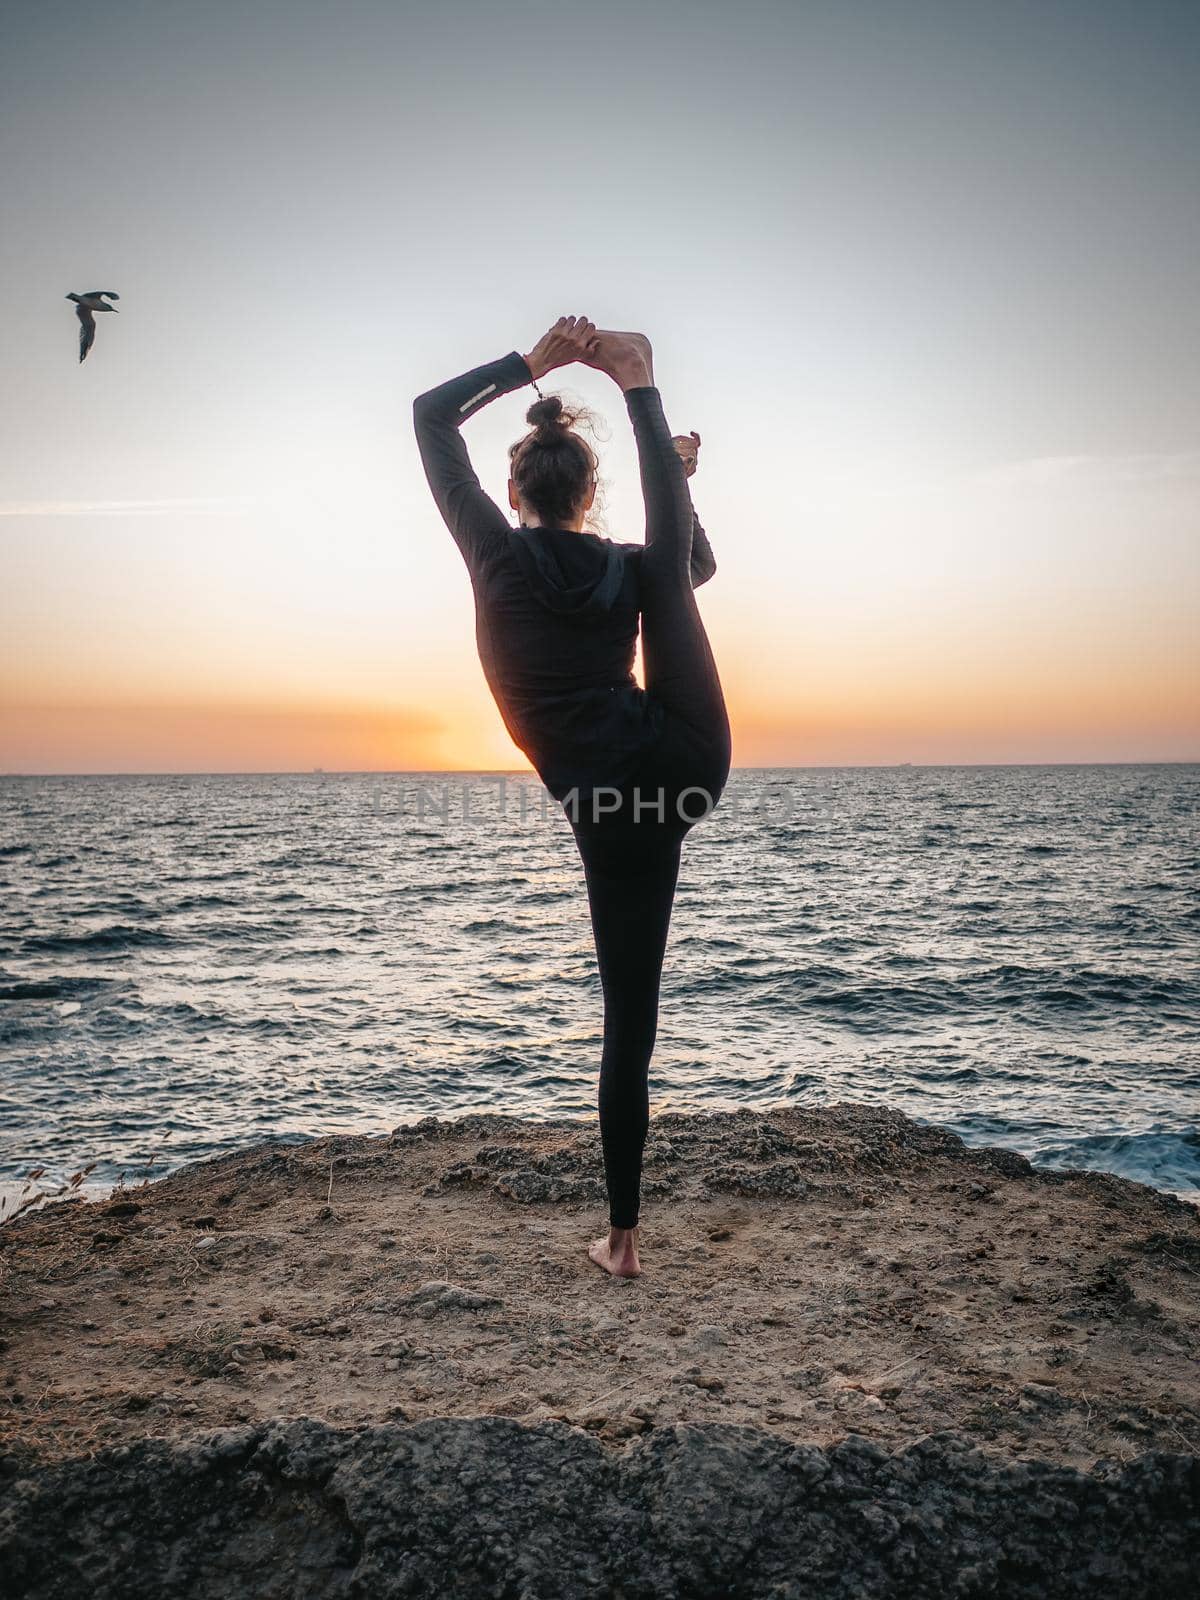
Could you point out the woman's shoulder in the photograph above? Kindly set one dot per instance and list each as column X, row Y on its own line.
column 626, row 551
column 601, row 542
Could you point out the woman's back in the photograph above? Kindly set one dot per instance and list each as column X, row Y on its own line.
column 556, row 625
column 556, row 610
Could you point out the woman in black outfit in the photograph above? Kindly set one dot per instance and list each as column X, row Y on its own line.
column 556, row 622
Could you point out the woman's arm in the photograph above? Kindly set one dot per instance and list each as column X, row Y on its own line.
column 438, row 414
column 704, row 563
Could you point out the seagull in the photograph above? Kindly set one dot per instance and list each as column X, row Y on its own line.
column 85, row 305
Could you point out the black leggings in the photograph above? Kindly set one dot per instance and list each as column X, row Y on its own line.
column 630, row 846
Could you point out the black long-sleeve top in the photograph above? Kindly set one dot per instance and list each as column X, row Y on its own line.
column 556, row 610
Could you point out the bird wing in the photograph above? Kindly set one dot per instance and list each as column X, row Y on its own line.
column 87, row 330
column 102, row 294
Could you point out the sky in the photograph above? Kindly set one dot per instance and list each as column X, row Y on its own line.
column 921, row 273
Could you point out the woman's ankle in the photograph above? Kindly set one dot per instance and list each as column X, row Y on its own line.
column 633, row 374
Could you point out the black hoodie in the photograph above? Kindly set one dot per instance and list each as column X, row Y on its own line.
column 556, row 611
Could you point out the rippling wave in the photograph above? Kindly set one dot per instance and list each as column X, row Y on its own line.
column 188, row 964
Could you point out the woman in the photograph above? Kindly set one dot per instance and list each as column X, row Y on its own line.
column 556, row 614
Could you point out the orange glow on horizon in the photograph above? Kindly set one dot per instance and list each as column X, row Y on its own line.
column 218, row 738
column 835, row 722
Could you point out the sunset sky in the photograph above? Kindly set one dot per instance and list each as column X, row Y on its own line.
column 922, row 275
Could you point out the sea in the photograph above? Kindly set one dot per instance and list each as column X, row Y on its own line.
column 190, row 965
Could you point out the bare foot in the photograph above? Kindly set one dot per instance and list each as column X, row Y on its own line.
column 618, row 1253
column 626, row 357
column 638, row 342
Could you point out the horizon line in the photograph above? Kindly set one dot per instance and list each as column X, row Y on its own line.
column 525, row 772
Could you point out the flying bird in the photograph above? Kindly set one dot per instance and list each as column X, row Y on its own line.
column 85, row 304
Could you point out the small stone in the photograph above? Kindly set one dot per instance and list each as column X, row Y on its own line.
column 438, row 1295
column 207, row 1242
column 1040, row 1391
column 623, row 1427
column 710, row 1338
column 1129, row 1423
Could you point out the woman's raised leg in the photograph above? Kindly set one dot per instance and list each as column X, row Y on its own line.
column 679, row 666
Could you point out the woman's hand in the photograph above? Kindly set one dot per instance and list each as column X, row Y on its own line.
column 570, row 339
column 687, row 448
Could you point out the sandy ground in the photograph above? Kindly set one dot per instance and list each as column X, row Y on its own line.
column 814, row 1273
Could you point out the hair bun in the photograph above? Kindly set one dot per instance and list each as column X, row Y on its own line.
column 545, row 413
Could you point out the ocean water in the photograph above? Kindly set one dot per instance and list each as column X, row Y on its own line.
column 190, row 964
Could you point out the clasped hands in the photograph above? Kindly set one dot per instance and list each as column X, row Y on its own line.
column 627, row 358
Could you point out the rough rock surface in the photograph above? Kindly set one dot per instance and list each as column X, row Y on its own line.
column 490, row 1507
column 864, row 1360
